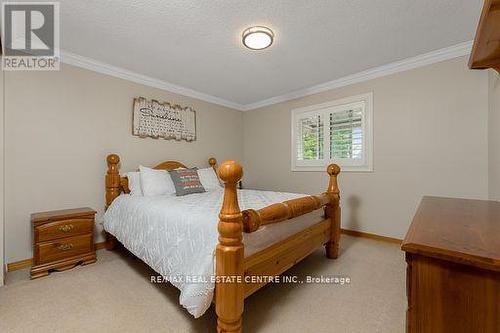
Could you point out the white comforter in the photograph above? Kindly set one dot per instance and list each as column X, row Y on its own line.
column 176, row 236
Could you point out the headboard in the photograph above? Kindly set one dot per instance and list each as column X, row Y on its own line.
column 116, row 184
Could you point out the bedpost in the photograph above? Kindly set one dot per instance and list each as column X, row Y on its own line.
column 112, row 179
column 112, row 191
column 229, row 296
column 332, row 211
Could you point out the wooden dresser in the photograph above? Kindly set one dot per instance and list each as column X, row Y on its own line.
column 453, row 273
column 62, row 239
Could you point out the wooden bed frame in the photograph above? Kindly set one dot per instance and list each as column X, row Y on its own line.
column 230, row 260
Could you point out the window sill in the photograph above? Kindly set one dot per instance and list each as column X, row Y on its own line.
column 346, row 168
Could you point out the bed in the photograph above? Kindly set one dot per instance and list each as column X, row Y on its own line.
column 210, row 245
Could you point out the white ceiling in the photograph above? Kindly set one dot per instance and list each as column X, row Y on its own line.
column 197, row 44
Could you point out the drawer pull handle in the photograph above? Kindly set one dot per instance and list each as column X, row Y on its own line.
column 66, row 228
column 65, row 247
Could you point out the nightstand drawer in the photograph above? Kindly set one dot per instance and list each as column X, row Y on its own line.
column 64, row 228
column 63, row 248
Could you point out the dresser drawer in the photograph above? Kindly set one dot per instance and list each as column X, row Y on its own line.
column 64, row 228
column 63, row 248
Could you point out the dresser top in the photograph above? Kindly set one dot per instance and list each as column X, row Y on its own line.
column 459, row 230
column 56, row 215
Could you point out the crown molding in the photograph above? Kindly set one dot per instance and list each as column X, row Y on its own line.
column 104, row 68
column 429, row 58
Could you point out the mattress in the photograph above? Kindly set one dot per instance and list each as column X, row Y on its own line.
column 177, row 236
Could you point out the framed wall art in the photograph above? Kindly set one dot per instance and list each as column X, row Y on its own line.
column 163, row 120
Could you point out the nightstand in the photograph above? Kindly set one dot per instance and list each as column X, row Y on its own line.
column 62, row 239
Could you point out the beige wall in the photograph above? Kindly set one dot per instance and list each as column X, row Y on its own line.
column 494, row 135
column 430, row 129
column 2, row 233
column 61, row 125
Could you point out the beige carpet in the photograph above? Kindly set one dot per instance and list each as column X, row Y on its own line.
column 115, row 295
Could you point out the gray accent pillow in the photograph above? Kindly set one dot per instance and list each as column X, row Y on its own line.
column 186, row 181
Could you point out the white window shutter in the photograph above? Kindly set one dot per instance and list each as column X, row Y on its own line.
column 335, row 132
column 346, row 133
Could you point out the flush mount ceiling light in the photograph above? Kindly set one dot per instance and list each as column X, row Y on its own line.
column 257, row 38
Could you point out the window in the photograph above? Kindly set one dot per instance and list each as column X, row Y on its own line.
column 335, row 132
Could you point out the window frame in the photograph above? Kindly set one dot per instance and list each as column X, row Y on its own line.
column 324, row 109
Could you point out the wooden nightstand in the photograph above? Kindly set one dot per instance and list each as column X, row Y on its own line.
column 62, row 239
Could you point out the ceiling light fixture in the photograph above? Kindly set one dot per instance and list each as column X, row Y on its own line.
column 257, row 38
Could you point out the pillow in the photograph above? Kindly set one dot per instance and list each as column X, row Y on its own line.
column 155, row 182
column 209, row 179
column 186, row 181
column 134, row 183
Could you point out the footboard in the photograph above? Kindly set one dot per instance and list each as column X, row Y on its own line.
column 232, row 268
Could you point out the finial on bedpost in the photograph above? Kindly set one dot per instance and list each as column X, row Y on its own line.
column 332, row 211
column 112, row 179
column 212, row 162
column 333, row 170
column 229, row 296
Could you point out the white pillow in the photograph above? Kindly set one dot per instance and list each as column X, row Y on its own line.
column 155, row 182
column 209, row 179
column 134, row 183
